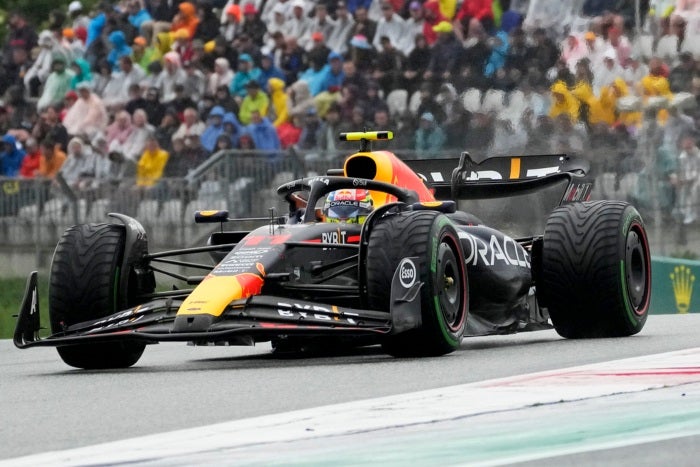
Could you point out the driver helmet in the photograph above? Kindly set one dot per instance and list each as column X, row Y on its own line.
column 351, row 205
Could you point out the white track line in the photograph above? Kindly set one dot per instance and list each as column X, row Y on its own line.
column 443, row 404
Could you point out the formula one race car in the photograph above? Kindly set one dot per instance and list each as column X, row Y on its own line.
column 373, row 253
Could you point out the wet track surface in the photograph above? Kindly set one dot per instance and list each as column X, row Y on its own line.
column 47, row 406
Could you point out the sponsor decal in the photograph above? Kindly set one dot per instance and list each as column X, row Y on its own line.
column 305, row 311
column 682, row 280
column 319, row 179
column 123, row 318
column 359, row 182
column 407, row 273
column 504, row 249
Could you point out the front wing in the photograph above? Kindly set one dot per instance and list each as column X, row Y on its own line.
column 245, row 321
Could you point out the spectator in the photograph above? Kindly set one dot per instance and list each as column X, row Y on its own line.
column 339, row 37
column 187, row 154
column 564, row 102
column 279, row 100
column 214, row 129
column 430, row 138
column 392, row 26
column 606, row 73
column 78, row 170
column 172, row 75
column 317, row 53
column 52, row 158
column 312, row 128
column 136, row 141
column 221, row 76
column 151, row 164
column 263, row 133
column 247, row 72
column 300, row 99
column 364, row 25
column 155, row 110
column 688, row 179
column 88, row 115
column 327, row 142
column 431, row 18
column 11, row 157
column 293, row 60
column 480, row 10
column 298, row 25
column 224, row 99
column 50, row 126
column 21, row 112
column 268, row 70
column 32, row 159
column 231, row 22
column 142, row 54
column 388, row 66
column 232, row 128
column 573, row 50
column 289, row 132
column 195, row 82
column 119, row 47
column 37, row 74
column 321, row 22
column 82, row 72
column 444, row 55
column 118, row 132
column 21, row 34
column 681, row 76
column 191, row 126
column 186, row 19
column 414, row 25
column 57, row 84
column 208, row 27
column 253, row 26
column 255, row 101
column 136, row 100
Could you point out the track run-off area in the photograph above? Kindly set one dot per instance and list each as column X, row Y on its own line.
column 531, row 399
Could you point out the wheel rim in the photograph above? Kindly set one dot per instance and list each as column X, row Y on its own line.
column 636, row 270
column 448, row 284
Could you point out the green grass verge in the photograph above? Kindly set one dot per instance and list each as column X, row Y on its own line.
column 11, row 292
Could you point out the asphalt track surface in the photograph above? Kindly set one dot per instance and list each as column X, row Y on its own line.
column 47, row 406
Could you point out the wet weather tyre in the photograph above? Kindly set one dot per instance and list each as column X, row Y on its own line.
column 433, row 238
column 83, row 286
column 596, row 270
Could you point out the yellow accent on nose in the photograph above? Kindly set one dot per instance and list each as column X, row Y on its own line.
column 211, row 296
column 515, row 167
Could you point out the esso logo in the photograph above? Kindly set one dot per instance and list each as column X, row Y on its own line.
column 407, row 273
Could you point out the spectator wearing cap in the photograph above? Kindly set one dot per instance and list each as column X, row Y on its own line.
column 74, row 47
column 172, row 75
column 76, row 15
column 57, row 84
column 88, row 116
column 364, row 26
column 444, row 54
column 337, row 40
column 390, row 25
column 256, row 100
column 244, row 44
column 231, row 21
column 430, row 137
column 182, row 45
column 186, row 19
column 247, row 72
column 299, row 25
column 142, row 54
column 39, row 71
column 317, row 54
column 594, row 47
column 414, row 25
column 353, row 5
column 361, row 53
column 253, row 26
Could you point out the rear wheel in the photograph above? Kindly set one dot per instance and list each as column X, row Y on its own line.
column 596, row 270
column 431, row 237
column 84, row 285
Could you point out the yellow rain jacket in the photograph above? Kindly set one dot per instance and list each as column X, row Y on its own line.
column 279, row 101
column 566, row 104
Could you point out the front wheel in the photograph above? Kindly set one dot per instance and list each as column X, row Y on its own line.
column 431, row 237
column 596, row 270
column 84, row 285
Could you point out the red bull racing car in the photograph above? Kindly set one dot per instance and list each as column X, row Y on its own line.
column 373, row 253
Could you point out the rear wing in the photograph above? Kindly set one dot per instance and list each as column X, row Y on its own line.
column 498, row 177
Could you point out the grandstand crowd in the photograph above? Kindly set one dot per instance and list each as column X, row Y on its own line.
column 152, row 88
